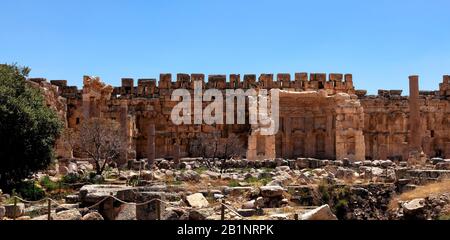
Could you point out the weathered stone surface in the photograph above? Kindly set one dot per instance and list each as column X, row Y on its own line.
column 197, row 200
column 435, row 161
column 72, row 199
column 279, row 217
column 249, row 205
column 344, row 173
column 71, row 215
column 189, row 175
column 200, row 214
column 149, row 211
column 126, row 212
column 2, row 212
column 443, row 165
column 93, row 216
column 414, row 209
column 213, row 175
column 271, row 191
column 92, row 194
column 247, row 212
column 41, row 218
column 170, row 215
column 322, row 213
column 65, row 207
column 12, row 211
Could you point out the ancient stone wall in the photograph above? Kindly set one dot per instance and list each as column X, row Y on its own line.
column 316, row 125
column 321, row 117
column 52, row 98
column 388, row 127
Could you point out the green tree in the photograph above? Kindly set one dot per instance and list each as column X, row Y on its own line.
column 28, row 128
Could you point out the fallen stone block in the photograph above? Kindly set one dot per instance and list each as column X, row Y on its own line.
column 126, row 212
column 271, row 191
column 93, row 216
column 149, row 211
column 69, row 215
column 247, row 212
column 197, row 200
column 12, row 211
column 2, row 212
column 414, row 209
column 321, row 213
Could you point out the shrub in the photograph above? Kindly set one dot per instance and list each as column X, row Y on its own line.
column 324, row 193
column 233, row 183
column 201, row 170
column 341, row 209
column 48, row 184
column 258, row 181
column 28, row 128
column 71, row 178
column 28, row 190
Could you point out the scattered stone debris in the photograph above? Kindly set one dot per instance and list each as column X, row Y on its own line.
column 269, row 189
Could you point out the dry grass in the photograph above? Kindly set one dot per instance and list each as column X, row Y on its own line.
column 422, row 192
column 204, row 184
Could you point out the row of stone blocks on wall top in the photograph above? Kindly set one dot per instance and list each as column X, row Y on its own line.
column 316, row 81
column 283, row 80
column 233, row 78
column 220, row 81
column 181, row 77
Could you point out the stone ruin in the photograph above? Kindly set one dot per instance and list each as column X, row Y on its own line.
column 320, row 117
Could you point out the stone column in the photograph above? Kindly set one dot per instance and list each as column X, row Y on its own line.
column 251, row 150
column 86, row 107
column 124, row 128
column 310, row 142
column 341, row 150
column 329, row 137
column 151, row 145
column 383, row 152
column 270, row 152
column 360, row 146
column 287, row 139
column 414, row 114
column 447, row 150
column 176, row 154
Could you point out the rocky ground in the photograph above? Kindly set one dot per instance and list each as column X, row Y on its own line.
column 199, row 189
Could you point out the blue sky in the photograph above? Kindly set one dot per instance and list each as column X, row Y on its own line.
column 380, row 42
